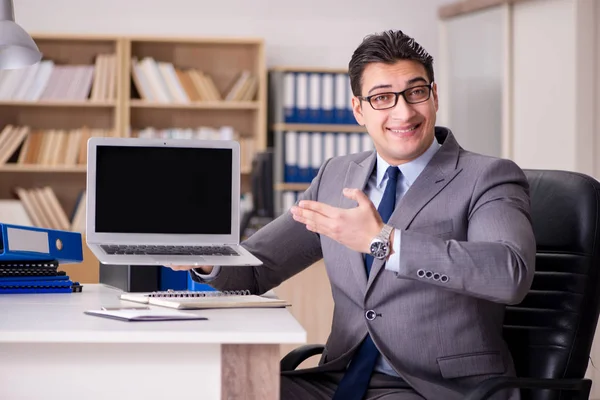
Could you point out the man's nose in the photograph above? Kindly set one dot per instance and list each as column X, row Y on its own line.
column 402, row 111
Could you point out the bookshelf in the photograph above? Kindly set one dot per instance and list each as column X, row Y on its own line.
column 311, row 120
column 325, row 103
column 27, row 100
column 204, row 73
column 86, row 85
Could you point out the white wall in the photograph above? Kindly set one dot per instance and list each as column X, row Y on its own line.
column 299, row 33
column 475, row 65
column 544, row 91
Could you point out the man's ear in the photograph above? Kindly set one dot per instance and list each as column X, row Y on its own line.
column 435, row 96
column 357, row 111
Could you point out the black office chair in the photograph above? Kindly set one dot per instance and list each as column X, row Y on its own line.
column 550, row 332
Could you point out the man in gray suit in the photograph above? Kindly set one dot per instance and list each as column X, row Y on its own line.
column 424, row 244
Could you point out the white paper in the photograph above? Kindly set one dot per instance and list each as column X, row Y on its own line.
column 146, row 315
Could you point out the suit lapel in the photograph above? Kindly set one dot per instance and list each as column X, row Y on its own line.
column 357, row 177
column 440, row 171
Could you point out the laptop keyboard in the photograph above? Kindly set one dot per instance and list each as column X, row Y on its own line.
column 170, row 250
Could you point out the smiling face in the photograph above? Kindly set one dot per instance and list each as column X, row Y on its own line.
column 401, row 133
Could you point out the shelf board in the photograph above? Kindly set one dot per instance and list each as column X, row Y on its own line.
column 205, row 105
column 59, row 168
column 294, row 187
column 60, row 103
column 198, row 40
column 309, row 69
column 69, row 37
column 319, row 128
column 43, row 168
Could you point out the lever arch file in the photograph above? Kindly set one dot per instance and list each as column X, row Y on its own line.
column 31, row 243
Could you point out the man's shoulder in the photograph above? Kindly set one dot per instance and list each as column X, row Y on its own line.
column 470, row 160
column 485, row 169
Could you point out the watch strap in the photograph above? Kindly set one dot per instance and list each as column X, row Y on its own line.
column 386, row 231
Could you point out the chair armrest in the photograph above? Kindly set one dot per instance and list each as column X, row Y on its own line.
column 488, row 387
column 297, row 356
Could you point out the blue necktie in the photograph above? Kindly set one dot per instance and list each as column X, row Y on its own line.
column 355, row 382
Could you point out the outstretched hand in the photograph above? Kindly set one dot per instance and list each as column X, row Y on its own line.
column 206, row 269
column 354, row 227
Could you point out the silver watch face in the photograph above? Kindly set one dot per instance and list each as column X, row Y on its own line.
column 379, row 249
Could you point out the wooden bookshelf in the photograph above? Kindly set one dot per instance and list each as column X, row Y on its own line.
column 310, row 290
column 59, row 103
column 125, row 111
column 206, row 105
column 58, row 109
column 115, row 107
column 318, row 127
column 43, row 168
column 294, row 187
column 309, row 69
column 221, row 59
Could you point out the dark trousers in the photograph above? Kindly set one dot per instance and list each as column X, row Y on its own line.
column 322, row 386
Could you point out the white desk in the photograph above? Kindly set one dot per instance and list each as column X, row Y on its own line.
column 50, row 349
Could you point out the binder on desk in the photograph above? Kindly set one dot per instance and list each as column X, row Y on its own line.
column 29, row 268
column 76, row 287
column 31, row 243
column 38, row 285
column 35, row 277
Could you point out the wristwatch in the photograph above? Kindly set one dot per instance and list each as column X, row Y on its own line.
column 380, row 245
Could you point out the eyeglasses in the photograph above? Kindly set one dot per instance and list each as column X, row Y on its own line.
column 412, row 95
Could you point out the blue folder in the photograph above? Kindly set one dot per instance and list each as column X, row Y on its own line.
column 5, row 280
column 36, row 284
column 31, row 243
column 24, row 290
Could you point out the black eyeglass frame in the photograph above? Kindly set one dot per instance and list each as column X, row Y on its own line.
column 397, row 95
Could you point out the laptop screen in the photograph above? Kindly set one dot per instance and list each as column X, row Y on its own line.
column 163, row 190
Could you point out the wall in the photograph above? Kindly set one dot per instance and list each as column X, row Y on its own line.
column 311, row 32
column 541, row 121
column 476, row 72
column 554, row 92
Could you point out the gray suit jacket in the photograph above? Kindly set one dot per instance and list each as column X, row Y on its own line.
column 467, row 250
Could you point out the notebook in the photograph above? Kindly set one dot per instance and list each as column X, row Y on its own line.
column 164, row 202
column 190, row 300
column 145, row 315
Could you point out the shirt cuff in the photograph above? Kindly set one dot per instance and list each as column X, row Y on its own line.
column 208, row 277
column 393, row 262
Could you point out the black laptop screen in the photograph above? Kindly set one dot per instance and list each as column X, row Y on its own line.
column 163, row 190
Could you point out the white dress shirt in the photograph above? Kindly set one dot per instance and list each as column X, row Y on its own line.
column 374, row 190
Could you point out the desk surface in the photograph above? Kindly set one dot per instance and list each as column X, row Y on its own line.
column 59, row 318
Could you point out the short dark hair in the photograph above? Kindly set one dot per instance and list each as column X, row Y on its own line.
column 386, row 47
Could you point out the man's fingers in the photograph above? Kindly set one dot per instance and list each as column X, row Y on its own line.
column 180, row 267
column 321, row 208
column 358, row 196
column 315, row 226
column 311, row 217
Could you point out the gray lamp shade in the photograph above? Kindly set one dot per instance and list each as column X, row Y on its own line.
column 17, row 48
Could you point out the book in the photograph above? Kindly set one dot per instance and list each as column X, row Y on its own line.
column 191, row 300
column 144, row 314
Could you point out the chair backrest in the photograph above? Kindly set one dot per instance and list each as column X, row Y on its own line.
column 550, row 333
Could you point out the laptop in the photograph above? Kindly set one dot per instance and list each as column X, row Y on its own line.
column 165, row 202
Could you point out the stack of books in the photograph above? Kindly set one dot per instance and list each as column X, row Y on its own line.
column 30, row 258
